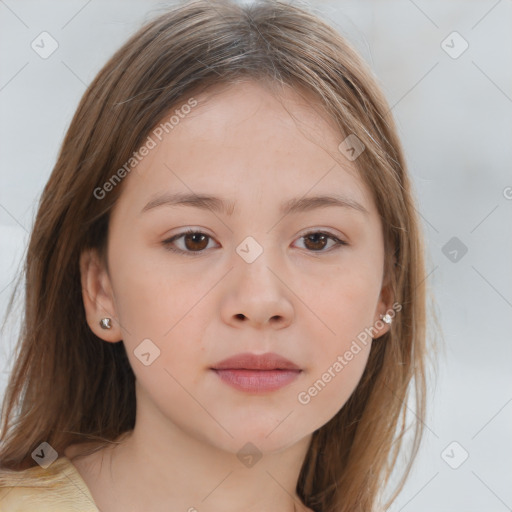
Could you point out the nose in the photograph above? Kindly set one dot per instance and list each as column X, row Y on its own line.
column 257, row 295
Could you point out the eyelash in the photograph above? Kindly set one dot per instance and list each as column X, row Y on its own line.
column 168, row 243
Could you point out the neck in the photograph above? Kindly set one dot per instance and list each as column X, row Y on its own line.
column 188, row 476
column 160, row 467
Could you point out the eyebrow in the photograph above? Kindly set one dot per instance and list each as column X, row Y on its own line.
column 219, row 205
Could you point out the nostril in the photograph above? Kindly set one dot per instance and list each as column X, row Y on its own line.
column 240, row 316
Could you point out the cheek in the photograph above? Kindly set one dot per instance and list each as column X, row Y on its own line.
column 153, row 297
column 331, row 388
column 339, row 353
column 166, row 305
column 344, row 305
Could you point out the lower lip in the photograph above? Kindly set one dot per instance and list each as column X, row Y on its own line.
column 257, row 381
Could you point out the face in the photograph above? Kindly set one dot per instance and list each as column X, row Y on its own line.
column 253, row 277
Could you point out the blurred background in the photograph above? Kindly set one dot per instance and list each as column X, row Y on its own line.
column 445, row 68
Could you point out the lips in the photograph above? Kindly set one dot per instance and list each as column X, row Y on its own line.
column 248, row 361
column 257, row 373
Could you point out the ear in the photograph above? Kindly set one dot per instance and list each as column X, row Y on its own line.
column 98, row 296
column 384, row 306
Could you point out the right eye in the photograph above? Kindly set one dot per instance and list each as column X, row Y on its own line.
column 193, row 242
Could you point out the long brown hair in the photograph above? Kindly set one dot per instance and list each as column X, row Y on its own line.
column 68, row 386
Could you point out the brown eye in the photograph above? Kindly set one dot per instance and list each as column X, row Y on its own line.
column 192, row 243
column 317, row 241
column 195, row 241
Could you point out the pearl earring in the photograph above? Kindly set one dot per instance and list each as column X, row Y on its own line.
column 106, row 323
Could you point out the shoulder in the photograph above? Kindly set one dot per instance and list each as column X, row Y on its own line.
column 58, row 487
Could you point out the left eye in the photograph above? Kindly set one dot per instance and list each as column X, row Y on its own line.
column 318, row 240
column 196, row 242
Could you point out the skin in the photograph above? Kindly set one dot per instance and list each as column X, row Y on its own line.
column 303, row 300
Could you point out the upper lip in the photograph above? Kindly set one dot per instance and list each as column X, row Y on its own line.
column 248, row 361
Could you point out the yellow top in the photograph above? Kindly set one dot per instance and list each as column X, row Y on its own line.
column 58, row 488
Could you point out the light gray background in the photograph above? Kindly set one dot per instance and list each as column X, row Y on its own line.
column 455, row 119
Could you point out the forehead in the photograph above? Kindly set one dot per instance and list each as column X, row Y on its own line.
column 251, row 112
column 243, row 139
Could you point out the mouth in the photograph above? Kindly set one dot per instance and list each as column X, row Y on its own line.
column 257, row 373
column 257, row 381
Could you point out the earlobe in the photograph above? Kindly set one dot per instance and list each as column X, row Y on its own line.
column 385, row 313
column 382, row 325
column 98, row 296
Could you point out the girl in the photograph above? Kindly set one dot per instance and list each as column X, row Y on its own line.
column 225, row 297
